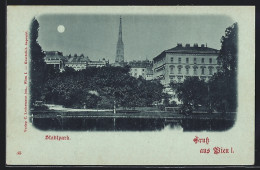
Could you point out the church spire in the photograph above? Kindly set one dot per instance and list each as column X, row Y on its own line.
column 120, row 45
column 120, row 30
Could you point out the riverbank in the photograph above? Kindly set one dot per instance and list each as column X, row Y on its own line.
column 144, row 114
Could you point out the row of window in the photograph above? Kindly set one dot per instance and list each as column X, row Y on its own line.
column 136, row 69
column 52, row 59
column 180, row 78
column 135, row 74
column 158, row 69
column 194, row 70
column 194, row 60
column 79, row 67
column 75, row 65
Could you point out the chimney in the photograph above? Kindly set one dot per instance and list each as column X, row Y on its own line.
column 179, row 44
column 195, row 45
column 187, row 45
column 202, row 45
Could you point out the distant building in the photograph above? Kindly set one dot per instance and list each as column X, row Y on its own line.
column 100, row 63
column 149, row 73
column 55, row 58
column 175, row 64
column 141, row 68
column 121, row 64
column 77, row 62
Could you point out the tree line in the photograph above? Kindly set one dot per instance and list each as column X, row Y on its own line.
column 99, row 87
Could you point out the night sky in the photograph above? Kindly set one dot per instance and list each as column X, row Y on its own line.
column 144, row 36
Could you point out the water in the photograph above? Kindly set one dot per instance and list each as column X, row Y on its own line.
column 129, row 124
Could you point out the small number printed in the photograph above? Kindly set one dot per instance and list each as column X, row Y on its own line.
column 19, row 153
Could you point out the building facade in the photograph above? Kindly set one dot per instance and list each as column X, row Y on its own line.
column 81, row 62
column 100, row 63
column 141, row 68
column 55, row 59
column 77, row 62
column 175, row 64
column 149, row 73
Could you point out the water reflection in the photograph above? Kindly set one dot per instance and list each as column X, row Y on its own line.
column 129, row 124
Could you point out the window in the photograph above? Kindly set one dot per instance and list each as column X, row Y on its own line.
column 171, row 59
column 187, row 60
column 142, row 69
column 171, row 70
column 210, row 60
column 179, row 70
column 135, row 74
column 195, row 71
column 187, row 70
column 179, row 79
column 171, row 79
column 202, row 70
column 179, row 60
column 202, row 60
column 210, row 71
column 195, row 60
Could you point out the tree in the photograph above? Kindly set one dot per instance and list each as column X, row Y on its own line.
column 223, row 85
column 50, row 72
column 111, row 84
column 37, row 64
column 228, row 54
column 218, row 91
column 192, row 92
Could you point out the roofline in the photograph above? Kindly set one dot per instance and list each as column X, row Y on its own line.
column 177, row 51
column 191, row 52
column 185, row 52
column 160, row 55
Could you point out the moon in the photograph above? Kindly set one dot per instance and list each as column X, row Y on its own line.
column 61, row 28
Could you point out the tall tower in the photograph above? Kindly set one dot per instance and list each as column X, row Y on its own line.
column 120, row 45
